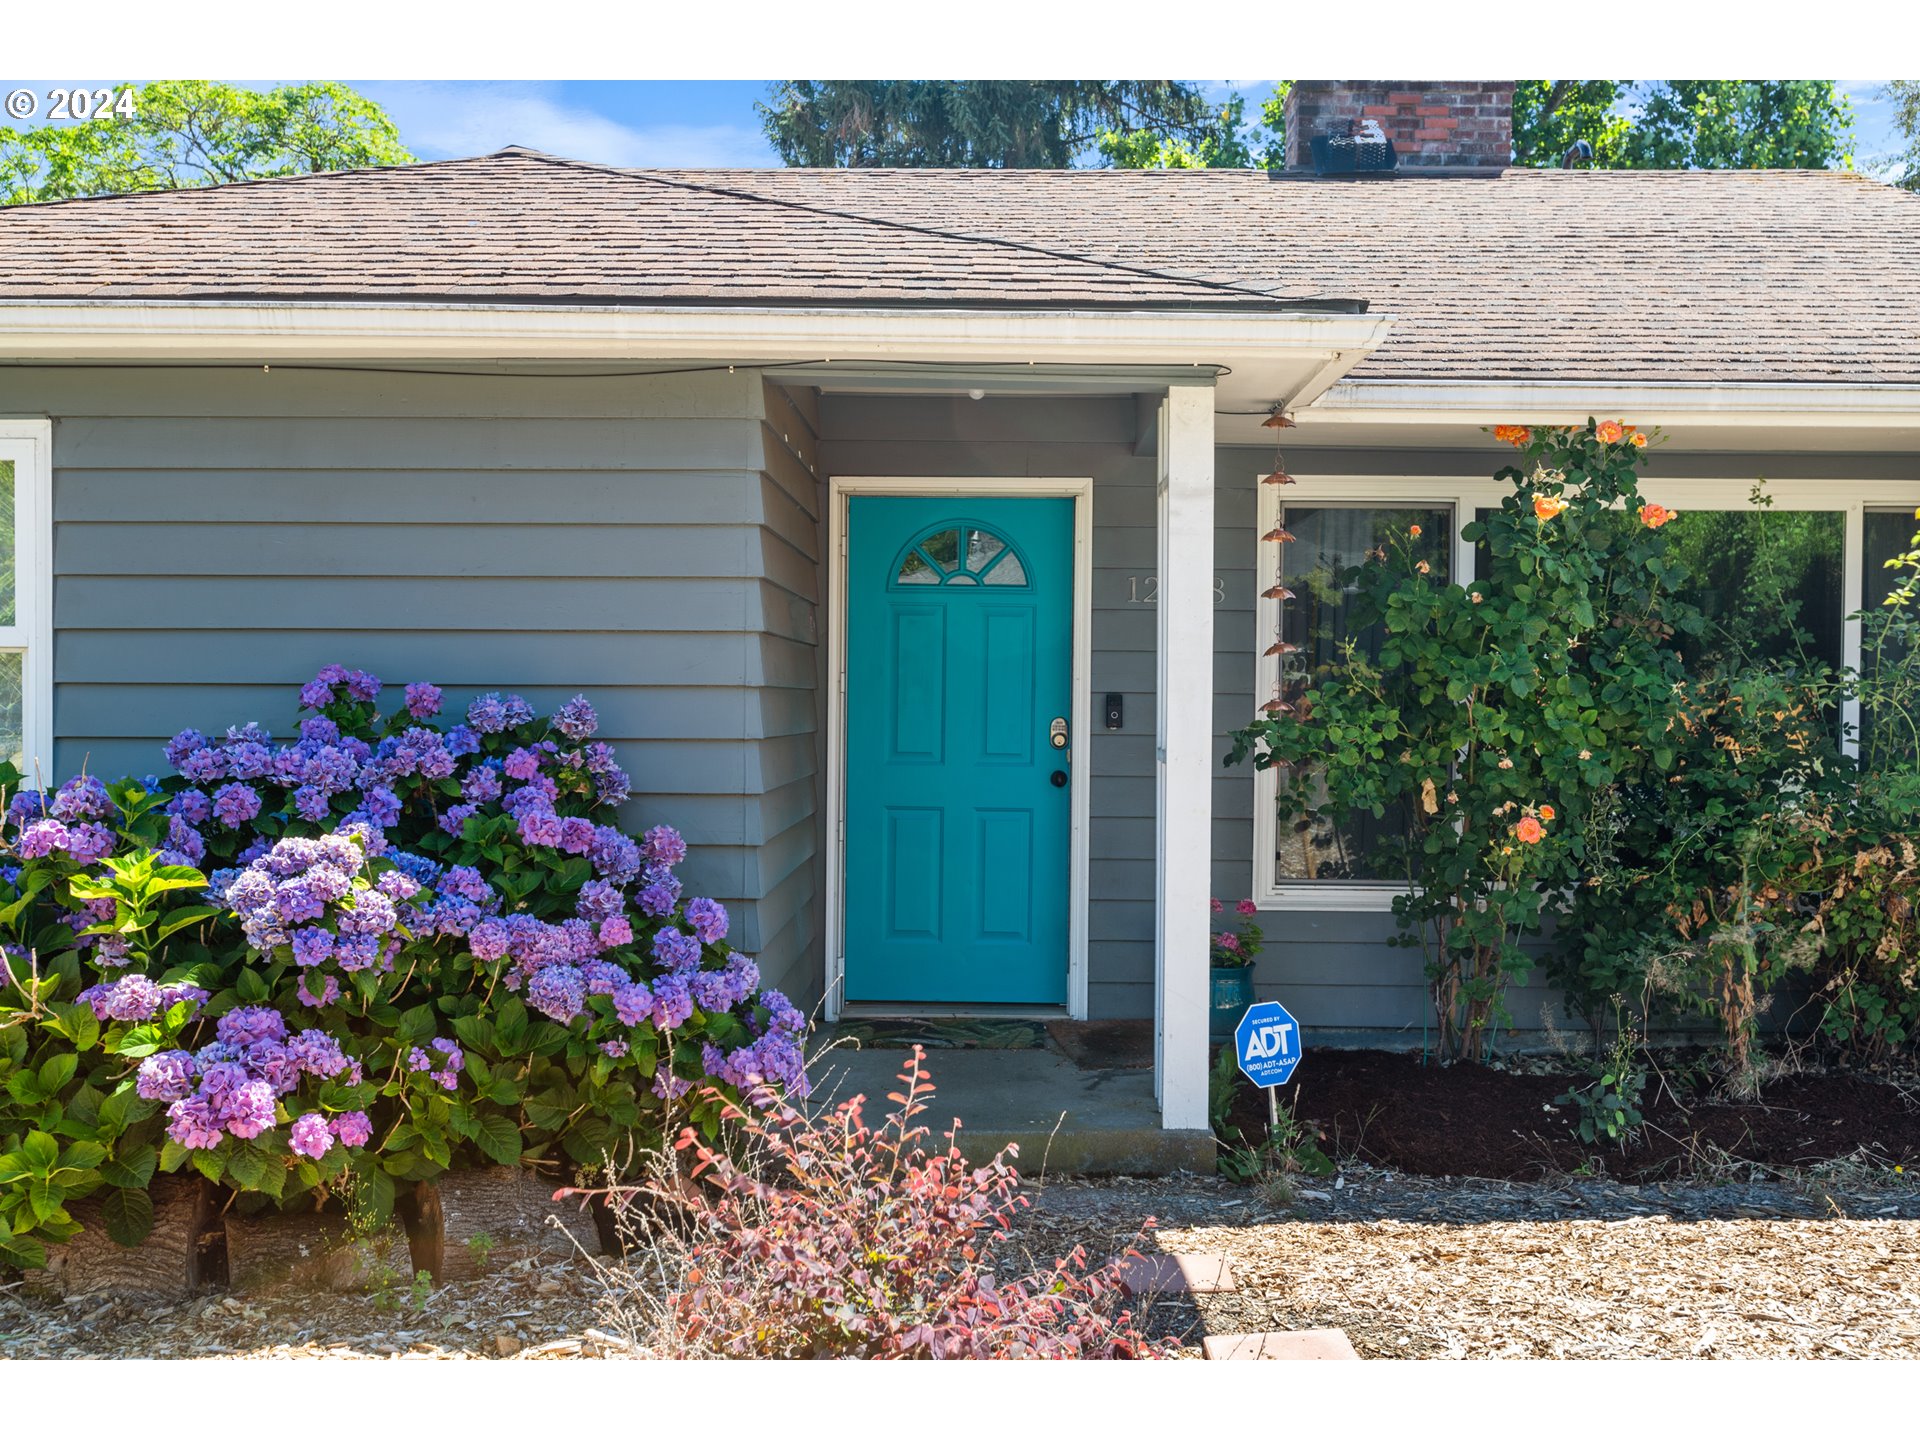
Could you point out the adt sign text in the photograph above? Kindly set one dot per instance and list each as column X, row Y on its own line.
column 1267, row 1040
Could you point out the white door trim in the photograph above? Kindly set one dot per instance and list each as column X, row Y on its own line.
column 840, row 490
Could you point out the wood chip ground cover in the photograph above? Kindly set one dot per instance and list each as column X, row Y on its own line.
column 1409, row 1267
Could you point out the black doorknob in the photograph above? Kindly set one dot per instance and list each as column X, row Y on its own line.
column 1059, row 778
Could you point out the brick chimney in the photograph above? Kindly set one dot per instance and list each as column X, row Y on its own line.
column 1436, row 126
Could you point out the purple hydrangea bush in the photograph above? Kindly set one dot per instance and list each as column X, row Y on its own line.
column 398, row 942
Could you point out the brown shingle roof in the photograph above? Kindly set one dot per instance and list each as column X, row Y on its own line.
column 1718, row 276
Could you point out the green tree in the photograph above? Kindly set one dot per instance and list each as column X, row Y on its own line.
column 1230, row 142
column 1032, row 124
column 1905, row 96
column 1685, row 124
column 1550, row 116
column 185, row 133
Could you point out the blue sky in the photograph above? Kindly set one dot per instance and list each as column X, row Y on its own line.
column 713, row 122
column 637, row 122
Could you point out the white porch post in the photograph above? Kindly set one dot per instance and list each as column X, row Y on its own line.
column 1183, row 842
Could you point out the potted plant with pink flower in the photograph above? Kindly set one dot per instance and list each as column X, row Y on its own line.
column 1230, row 989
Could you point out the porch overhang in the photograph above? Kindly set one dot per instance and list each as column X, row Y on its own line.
column 1257, row 357
column 1700, row 415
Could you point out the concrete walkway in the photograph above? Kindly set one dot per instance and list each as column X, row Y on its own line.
column 1066, row 1120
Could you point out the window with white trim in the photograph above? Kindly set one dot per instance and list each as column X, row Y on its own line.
column 1778, row 568
column 26, row 597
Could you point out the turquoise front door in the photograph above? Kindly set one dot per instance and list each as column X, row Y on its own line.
column 958, row 804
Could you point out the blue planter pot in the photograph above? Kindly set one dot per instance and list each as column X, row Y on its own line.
column 1230, row 992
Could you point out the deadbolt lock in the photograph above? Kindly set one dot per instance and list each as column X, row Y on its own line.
column 1057, row 734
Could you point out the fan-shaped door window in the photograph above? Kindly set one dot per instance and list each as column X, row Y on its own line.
column 960, row 554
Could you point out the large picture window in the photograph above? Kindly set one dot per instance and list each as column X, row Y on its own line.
column 26, row 591
column 1776, row 572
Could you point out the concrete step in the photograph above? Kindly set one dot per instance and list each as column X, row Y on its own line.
column 1281, row 1345
column 1066, row 1120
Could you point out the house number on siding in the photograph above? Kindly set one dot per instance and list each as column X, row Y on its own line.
column 1145, row 590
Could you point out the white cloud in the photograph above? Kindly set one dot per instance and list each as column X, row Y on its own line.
column 439, row 120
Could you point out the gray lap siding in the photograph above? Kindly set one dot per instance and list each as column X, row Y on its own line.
column 660, row 545
column 221, row 533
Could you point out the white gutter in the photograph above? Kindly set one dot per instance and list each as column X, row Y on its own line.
column 245, row 330
column 1558, row 402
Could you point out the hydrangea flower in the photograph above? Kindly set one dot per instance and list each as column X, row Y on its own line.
column 88, row 843
column 482, row 785
column 250, row 1024
column 600, row 900
column 675, row 949
column 183, row 745
column 185, row 842
column 309, row 1136
column 708, row 919
column 672, row 1001
column 539, row 826
column 204, row 765
column 131, row 998
column 234, row 805
column 381, row 806
column 663, row 845
column 633, row 1003
column 442, row 1062
column 487, row 714
column 81, row 798
column 353, row 1129
column 659, row 895
column 423, row 701
column 558, row 992
column 168, row 1075
column 576, row 719
column 40, row 839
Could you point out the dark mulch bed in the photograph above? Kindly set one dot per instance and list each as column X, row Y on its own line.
column 1428, row 1119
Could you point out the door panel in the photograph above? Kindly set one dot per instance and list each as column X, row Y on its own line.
column 959, row 658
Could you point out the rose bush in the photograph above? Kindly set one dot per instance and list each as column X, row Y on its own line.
column 1567, row 736
column 388, row 947
column 1496, row 708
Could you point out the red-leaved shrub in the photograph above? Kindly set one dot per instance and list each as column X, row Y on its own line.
column 834, row 1238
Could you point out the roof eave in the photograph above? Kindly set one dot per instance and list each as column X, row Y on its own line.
column 254, row 330
column 1574, row 402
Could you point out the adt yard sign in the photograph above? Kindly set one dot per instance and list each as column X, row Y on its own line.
column 1267, row 1040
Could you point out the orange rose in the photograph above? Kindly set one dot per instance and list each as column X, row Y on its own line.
column 1638, row 439
column 1514, row 435
column 1414, row 531
column 1530, row 831
column 1546, row 812
column 1654, row 516
column 1548, row 506
column 1610, row 432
